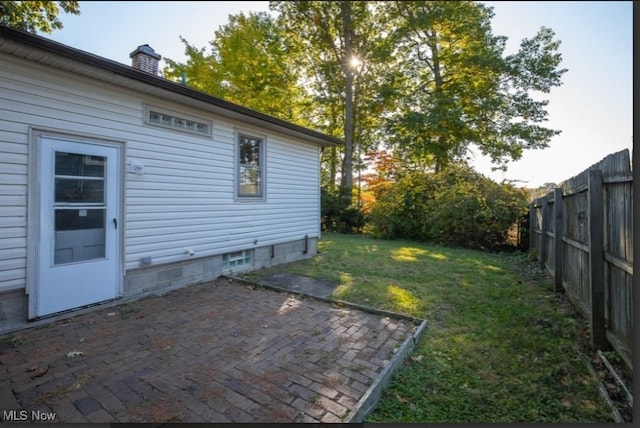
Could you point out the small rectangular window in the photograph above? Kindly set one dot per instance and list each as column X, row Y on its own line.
column 177, row 122
column 155, row 118
column 250, row 166
column 236, row 259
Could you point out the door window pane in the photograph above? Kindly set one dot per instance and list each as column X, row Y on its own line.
column 79, row 190
column 77, row 219
column 79, row 235
column 77, row 165
column 79, row 207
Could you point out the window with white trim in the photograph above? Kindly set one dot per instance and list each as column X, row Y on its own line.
column 176, row 121
column 236, row 259
column 250, row 160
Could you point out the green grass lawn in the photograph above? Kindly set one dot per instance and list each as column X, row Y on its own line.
column 500, row 345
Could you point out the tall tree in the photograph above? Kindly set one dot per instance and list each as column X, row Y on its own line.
column 320, row 64
column 36, row 15
column 461, row 90
column 251, row 63
column 342, row 44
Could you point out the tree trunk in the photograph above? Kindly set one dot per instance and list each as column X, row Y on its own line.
column 333, row 160
column 346, row 182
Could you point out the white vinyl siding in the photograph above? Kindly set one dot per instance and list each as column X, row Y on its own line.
column 13, row 201
column 193, row 205
column 186, row 197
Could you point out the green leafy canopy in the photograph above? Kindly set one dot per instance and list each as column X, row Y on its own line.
column 461, row 90
column 426, row 79
column 36, row 16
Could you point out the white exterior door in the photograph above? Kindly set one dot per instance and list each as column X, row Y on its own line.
column 78, row 245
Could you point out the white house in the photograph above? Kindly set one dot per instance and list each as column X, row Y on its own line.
column 115, row 182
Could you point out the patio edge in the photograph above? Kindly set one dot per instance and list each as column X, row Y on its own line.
column 369, row 400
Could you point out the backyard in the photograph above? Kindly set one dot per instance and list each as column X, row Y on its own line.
column 500, row 345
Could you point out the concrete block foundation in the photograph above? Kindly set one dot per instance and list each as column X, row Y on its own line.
column 154, row 279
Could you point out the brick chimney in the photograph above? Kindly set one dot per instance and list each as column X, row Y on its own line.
column 144, row 58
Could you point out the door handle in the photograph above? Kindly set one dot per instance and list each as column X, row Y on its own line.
column 115, row 223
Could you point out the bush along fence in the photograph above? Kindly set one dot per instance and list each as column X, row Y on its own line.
column 582, row 233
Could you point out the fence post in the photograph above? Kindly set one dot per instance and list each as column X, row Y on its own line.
column 596, row 259
column 532, row 226
column 559, row 259
column 543, row 233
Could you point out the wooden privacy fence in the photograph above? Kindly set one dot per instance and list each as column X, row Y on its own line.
column 583, row 235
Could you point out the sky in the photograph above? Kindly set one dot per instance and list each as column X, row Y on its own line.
column 593, row 108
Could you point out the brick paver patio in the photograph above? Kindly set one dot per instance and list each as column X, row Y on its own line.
column 215, row 352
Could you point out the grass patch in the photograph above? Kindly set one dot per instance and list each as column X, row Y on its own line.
column 126, row 310
column 14, row 340
column 500, row 345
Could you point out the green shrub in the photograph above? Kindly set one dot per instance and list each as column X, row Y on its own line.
column 339, row 215
column 457, row 207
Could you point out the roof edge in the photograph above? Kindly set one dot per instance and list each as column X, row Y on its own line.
column 48, row 45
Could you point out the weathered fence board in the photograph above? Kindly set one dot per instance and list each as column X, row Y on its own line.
column 583, row 235
column 596, row 259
